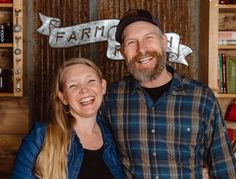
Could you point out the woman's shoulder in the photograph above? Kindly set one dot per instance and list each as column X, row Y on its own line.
column 28, row 151
column 38, row 130
column 35, row 136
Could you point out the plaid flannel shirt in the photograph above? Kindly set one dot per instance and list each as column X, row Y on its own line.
column 173, row 137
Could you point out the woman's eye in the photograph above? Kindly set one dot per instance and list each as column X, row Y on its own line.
column 72, row 86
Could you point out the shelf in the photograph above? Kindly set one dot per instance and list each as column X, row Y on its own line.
column 227, row 47
column 227, row 6
column 12, row 54
column 6, row 94
column 6, row 45
column 230, row 124
column 6, row 5
column 209, row 40
column 226, row 95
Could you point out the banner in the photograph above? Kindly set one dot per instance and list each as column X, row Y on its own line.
column 98, row 31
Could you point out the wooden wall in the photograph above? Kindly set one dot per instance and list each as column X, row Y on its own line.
column 41, row 61
column 14, row 124
column 177, row 16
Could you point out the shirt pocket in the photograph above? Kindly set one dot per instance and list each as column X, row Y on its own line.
column 185, row 143
column 186, row 134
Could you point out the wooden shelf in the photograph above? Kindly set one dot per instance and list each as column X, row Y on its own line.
column 209, row 40
column 231, row 8
column 227, row 47
column 230, row 124
column 6, row 45
column 6, row 94
column 6, row 5
column 226, row 95
column 227, row 6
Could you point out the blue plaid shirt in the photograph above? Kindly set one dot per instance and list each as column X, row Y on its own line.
column 173, row 137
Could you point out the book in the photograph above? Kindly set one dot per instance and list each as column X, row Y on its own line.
column 220, row 76
column 231, row 74
column 224, row 73
column 227, row 37
column 226, row 42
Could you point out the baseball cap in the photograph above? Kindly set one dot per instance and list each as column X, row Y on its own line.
column 133, row 16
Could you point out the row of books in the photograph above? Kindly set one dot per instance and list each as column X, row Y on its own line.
column 227, row 37
column 227, row 73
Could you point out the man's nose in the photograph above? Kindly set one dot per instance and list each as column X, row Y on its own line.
column 141, row 47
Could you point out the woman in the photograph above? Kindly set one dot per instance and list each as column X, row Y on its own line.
column 76, row 143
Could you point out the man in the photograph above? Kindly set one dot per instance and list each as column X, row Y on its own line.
column 165, row 125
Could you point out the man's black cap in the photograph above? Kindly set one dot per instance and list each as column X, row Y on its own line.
column 133, row 16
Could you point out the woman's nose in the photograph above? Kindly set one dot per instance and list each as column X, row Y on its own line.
column 83, row 88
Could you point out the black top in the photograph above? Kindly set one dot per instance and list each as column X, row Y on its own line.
column 156, row 93
column 93, row 166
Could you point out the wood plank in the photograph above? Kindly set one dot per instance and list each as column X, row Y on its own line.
column 9, row 145
column 14, row 114
column 203, row 41
column 213, row 44
column 6, row 5
column 6, row 167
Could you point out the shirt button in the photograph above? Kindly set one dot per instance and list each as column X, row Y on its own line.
column 153, row 131
column 188, row 129
column 154, row 154
column 157, row 177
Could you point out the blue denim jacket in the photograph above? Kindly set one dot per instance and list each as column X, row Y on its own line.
column 32, row 144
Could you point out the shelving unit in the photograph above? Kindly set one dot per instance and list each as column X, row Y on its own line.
column 210, row 49
column 214, row 10
column 11, row 54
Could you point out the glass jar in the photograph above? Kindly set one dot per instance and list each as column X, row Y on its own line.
column 8, row 33
column 2, row 33
column 6, row 80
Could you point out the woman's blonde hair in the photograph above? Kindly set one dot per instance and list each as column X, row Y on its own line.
column 52, row 160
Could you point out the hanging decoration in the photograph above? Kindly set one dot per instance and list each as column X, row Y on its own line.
column 101, row 30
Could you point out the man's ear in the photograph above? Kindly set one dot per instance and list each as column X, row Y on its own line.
column 121, row 49
column 104, row 86
column 165, row 41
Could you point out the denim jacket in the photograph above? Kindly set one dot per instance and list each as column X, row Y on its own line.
column 32, row 145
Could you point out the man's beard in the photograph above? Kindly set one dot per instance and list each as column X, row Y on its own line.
column 150, row 73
